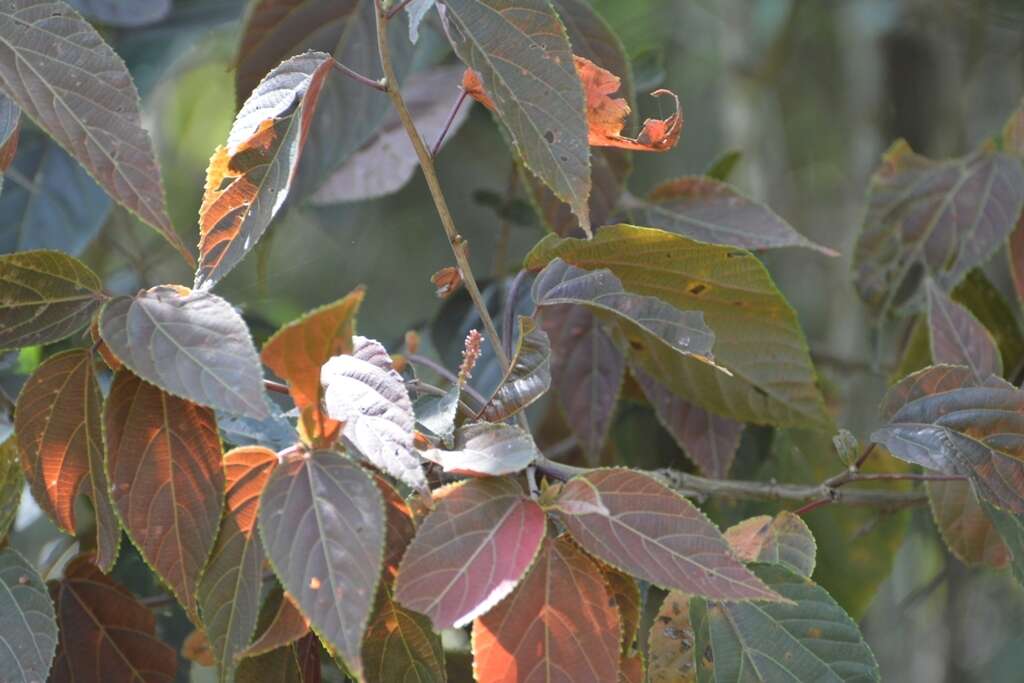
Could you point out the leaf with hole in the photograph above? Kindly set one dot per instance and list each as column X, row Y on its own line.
column 487, row 449
column 28, row 627
column 783, row 539
column 528, row 377
column 191, row 344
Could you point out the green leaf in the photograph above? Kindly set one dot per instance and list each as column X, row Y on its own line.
column 958, row 338
column 45, row 296
column 28, row 627
column 724, row 164
column 521, row 52
column 810, row 640
column 401, row 646
column 11, row 485
column 322, row 523
column 191, row 344
column 932, row 218
column 84, row 97
column 487, row 449
column 757, row 334
column 529, row 376
column 783, row 539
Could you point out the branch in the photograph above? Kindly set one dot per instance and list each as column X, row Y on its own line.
column 359, row 78
column 276, row 387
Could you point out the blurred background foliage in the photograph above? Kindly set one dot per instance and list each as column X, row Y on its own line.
column 810, row 91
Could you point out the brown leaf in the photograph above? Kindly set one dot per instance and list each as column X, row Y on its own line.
column 447, row 281
column 287, row 626
column 670, row 642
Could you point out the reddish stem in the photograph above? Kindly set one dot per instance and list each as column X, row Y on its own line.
column 448, row 124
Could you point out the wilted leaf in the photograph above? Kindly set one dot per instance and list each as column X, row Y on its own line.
column 44, row 297
column 123, row 13
column 164, row 460
column 710, row 441
column 62, row 207
column 958, row 338
column 936, row 418
column 933, row 218
column 470, row 551
column 191, row 344
column 286, row 626
column 967, row 530
column 388, row 161
column 28, row 630
column 522, row 56
column 249, row 178
column 710, row 210
column 487, row 449
column 363, row 391
column 528, row 377
column 84, row 97
column 297, row 351
column 587, row 370
column 105, row 633
column 670, row 643
column 322, row 523
column 633, row 522
column 11, row 484
column 783, row 539
column 59, row 430
column 809, row 639
column 560, row 624
column 757, row 334
column 228, row 594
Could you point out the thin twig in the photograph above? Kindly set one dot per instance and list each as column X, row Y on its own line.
column 448, row 124
column 276, row 387
column 359, row 78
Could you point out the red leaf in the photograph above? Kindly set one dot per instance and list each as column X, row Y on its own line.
column 636, row 524
column 470, row 551
column 286, row 627
column 164, row 459
column 559, row 625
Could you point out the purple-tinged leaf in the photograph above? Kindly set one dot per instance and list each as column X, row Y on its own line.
column 286, row 626
column 958, row 338
column 968, row 532
column 28, row 630
column 487, row 449
column 783, row 539
column 528, row 377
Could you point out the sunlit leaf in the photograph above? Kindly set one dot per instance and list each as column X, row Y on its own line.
column 709, row 440
column 559, row 624
column 249, row 178
column 322, row 523
column 710, row 210
column 363, row 391
column 388, row 161
column 297, row 351
column 123, row 13
column 28, row 630
column 587, row 370
column 811, row 639
column 164, row 460
column 933, row 218
column 84, row 97
column 58, row 426
column 633, row 522
column 228, row 594
column 528, row 377
column 12, row 482
column 470, row 551
column 783, row 539
column 105, row 633
column 437, row 413
column 670, row 643
column 44, row 297
column 487, row 449
column 190, row 344
column 287, row 625
column 958, row 338
column 757, row 334
column 523, row 60
column 968, row 532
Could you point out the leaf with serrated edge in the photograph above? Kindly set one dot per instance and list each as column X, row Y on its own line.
column 114, row 635
column 287, row 626
column 587, row 370
column 487, row 449
column 28, row 630
column 625, row 592
column 12, row 483
column 809, row 639
column 190, row 344
column 249, row 178
column 634, row 523
column 520, row 50
column 470, row 551
column 670, row 642
column 363, row 391
column 228, row 594
column 560, row 619
column 59, row 429
column 783, row 539
column 83, row 96
column 528, row 376
column 958, row 338
column 437, row 413
column 709, row 440
column 167, row 482
column 757, row 334
column 968, row 532
column 932, row 218
column 44, row 297
column 323, row 528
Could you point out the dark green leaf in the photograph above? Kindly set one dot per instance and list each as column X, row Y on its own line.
column 28, row 627
column 724, row 164
column 528, row 377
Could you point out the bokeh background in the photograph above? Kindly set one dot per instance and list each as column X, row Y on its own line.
column 810, row 91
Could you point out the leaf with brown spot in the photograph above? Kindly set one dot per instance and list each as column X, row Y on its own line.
column 105, row 633
column 249, row 178
column 783, row 539
column 59, row 429
column 164, row 459
column 670, row 643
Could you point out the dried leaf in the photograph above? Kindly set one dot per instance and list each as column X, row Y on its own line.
column 670, row 643
column 28, row 630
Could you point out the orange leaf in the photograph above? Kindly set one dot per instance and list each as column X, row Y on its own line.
column 605, row 114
